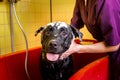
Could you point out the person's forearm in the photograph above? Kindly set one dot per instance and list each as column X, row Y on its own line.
column 99, row 47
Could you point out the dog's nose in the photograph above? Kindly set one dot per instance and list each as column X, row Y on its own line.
column 53, row 44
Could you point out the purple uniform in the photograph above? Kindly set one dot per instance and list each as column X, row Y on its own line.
column 102, row 19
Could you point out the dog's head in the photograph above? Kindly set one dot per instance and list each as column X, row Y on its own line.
column 56, row 38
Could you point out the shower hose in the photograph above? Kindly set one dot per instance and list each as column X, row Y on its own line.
column 26, row 57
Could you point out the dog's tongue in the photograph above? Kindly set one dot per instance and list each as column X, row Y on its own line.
column 52, row 57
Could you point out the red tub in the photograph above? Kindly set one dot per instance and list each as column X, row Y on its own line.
column 86, row 66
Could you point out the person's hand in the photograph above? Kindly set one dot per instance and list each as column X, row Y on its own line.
column 74, row 48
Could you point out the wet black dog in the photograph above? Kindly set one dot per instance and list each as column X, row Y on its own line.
column 56, row 39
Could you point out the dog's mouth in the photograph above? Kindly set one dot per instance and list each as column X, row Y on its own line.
column 52, row 56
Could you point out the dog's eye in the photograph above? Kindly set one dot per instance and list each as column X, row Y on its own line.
column 63, row 34
column 49, row 31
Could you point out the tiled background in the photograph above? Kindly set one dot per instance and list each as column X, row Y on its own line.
column 32, row 14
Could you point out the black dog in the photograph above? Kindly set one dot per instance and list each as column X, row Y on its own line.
column 56, row 39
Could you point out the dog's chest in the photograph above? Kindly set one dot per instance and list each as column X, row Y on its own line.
column 58, row 70
column 57, row 65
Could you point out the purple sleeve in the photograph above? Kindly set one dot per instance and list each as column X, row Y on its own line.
column 76, row 20
column 109, row 21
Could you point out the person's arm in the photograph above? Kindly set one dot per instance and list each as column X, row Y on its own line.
column 99, row 47
column 76, row 19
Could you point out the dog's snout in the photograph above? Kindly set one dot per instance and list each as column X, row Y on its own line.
column 53, row 44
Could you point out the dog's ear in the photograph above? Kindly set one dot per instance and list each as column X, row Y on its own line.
column 39, row 30
column 76, row 32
